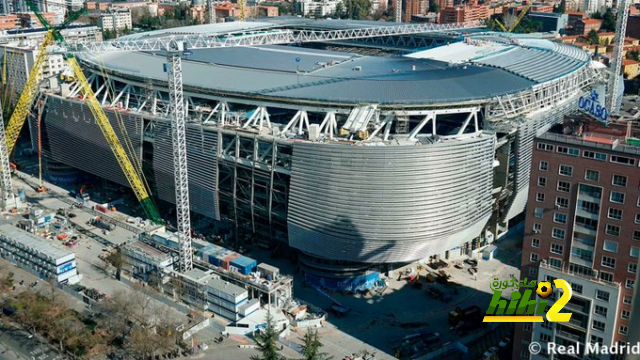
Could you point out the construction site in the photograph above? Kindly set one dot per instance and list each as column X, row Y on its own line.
column 217, row 163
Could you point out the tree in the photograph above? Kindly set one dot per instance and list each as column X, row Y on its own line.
column 357, row 9
column 266, row 341
column 312, row 345
column 592, row 38
column 608, row 21
column 340, row 12
column 560, row 9
column 596, row 15
column 433, row 7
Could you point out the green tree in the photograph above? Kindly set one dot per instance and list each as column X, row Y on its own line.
column 433, row 7
column 633, row 55
column 340, row 12
column 560, row 9
column 267, row 340
column 596, row 15
column 608, row 21
column 357, row 9
column 312, row 345
column 592, row 38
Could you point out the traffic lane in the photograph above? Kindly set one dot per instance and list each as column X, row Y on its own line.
column 25, row 345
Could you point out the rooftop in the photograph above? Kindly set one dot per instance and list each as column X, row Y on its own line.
column 591, row 21
column 225, row 287
column 34, row 242
column 619, row 137
column 293, row 72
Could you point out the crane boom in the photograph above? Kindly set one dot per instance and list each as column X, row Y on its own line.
column 8, row 197
column 28, row 95
column 615, row 78
column 114, row 143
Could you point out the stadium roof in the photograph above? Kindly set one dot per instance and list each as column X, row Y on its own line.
column 288, row 73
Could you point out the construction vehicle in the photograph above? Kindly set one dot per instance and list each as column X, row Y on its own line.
column 102, row 223
column 470, row 314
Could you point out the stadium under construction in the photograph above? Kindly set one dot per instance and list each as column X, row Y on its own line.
column 361, row 155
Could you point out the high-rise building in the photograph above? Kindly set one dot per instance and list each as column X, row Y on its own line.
column 583, row 226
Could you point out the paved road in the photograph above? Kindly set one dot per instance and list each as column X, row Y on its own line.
column 17, row 344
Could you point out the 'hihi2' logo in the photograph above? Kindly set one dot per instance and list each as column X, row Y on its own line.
column 524, row 308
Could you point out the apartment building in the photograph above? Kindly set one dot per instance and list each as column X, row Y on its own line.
column 116, row 19
column 583, row 225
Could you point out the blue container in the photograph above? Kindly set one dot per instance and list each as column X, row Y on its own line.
column 21, row 194
column 244, row 264
column 213, row 260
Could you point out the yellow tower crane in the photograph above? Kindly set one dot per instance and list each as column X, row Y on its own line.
column 26, row 99
column 515, row 22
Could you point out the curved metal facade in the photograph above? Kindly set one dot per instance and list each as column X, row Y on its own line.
column 384, row 204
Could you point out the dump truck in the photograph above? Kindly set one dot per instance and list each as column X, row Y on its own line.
column 470, row 314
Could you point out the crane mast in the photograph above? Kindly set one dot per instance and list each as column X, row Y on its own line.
column 615, row 78
column 178, row 136
column 8, row 198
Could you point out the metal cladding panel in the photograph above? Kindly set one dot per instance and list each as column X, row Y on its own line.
column 202, row 164
column 534, row 126
column 76, row 140
column 389, row 203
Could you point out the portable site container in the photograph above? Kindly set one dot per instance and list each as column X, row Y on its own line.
column 226, row 262
column 244, row 264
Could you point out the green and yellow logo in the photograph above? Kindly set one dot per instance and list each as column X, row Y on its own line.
column 524, row 307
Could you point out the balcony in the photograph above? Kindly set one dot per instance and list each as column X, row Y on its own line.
column 582, row 262
column 570, row 336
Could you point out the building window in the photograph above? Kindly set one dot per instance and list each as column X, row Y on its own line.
column 535, row 242
column 622, row 160
column 592, row 175
column 628, row 283
column 545, row 337
column 634, row 252
column 577, row 288
column 546, row 325
column 563, row 186
column 632, row 268
column 533, row 257
column 566, row 170
column 606, row 276
column 537, row 228
column 610, row 246
column 637, row 218
column 556, row 249
column 558, row 233
column 568, row 151
column 545, row 147
column 608, row 262
column 533, row 271
column 623, row 329
column 542, row 181
column 600, row 310
column 560, row 218
column 526, row 327
column 625, row 314
column 616, row 197
column 555, row 263
column 544, row 166
column 636, row 235
column 612, row 230
column 537, row 212
column 540, row 197
column 627, row 299
column 602, row 295
column 596, row 340
column 597, row 325
column 619, row 180
column 615, row 214
column 562, row 202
